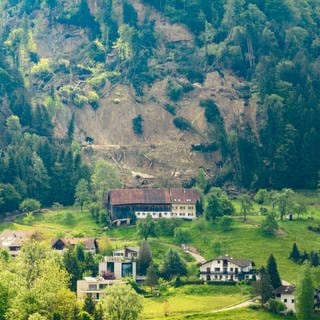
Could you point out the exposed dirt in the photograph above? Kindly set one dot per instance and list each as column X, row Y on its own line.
column 163, row 153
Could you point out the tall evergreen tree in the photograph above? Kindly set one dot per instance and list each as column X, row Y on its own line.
column 144, row 258
column 305, row 297
column 263, row 286
column 295, row 254
column 272, row 270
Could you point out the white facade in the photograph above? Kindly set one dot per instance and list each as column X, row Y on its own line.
column 115, row 268
column 184, row 210
column 94, row 287
column 226, row 269
column 288, row 300
column 153, row 214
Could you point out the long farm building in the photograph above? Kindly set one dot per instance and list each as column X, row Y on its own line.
column 125, row 204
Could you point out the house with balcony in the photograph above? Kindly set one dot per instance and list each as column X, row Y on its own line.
column 117, row 267
column 94, row 287
column 226, row 268
column 127, row 252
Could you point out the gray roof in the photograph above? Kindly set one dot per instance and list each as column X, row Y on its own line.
column 238, row 262
column 285, row 290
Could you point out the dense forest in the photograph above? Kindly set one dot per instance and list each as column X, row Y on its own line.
column 272, row 46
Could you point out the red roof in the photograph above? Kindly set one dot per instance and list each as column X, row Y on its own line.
column 139, row 196
column 179, row 195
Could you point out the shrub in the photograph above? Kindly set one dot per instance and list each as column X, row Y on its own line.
column 182, row 124
column 170, row 108
column 276, row 307
column 269, row 225
column 225, row 223
column 93, row 99
column 137, row 125
column 182, row 235
column 261, row 196
column 42, row 69
column 29, row 205
column 166, row 227
column 174, row 90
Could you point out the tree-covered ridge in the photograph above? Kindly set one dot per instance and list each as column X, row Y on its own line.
column 33, row 164
column 272, row 45
column 275, row 45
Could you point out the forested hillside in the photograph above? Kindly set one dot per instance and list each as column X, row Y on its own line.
column 165, row 86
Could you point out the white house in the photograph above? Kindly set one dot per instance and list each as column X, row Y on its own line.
column 285, row 294
column 225, row 268
column 127, row 252
column 115, row 268
column 94, row 287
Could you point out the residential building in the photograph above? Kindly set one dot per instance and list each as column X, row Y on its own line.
column 112, row 270
column 117, row 267
column 225, row 268
column 62, row 244
column 12, row 241
column 285, row 294
column 94, row 287
column 127, row 252
column 124, row 204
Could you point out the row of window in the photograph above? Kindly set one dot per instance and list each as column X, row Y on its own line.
column 183, row 207
column 165, row 214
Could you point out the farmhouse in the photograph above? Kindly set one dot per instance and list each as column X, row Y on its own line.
column 285, row 294
column 62, row 244
column 225, row 268
column 12, row 241
column 126, row 204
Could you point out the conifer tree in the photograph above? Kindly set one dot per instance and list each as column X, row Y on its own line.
column 263, row 286
column 305, row 297
column 295, row 254
column 272, row 270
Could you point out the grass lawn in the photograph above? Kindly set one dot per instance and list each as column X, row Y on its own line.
column 245, row 241
column 236, row 314
column 194, row 299
column 68, row 222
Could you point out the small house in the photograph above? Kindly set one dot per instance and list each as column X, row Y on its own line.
column 285, row 294
column 62, row 244
column 12, row 241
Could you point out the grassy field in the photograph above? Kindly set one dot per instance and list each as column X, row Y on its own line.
column 64, row 222
column 193, row 299
column 237, row 314
column 245, row 240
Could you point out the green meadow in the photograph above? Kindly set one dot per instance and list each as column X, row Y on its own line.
column 244, row 241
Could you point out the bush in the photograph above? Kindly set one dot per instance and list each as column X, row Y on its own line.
column 182, row 124
column 174, row 90
column 93, row 99
column 276, row 307
column 204, row 147
column 42, row 69
column 269, row 225
column 170, row 108
column 225, row 223
column 137, row 125
column 166, row 227
column 29, row 205
column 182, row 235
column 262, row 196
